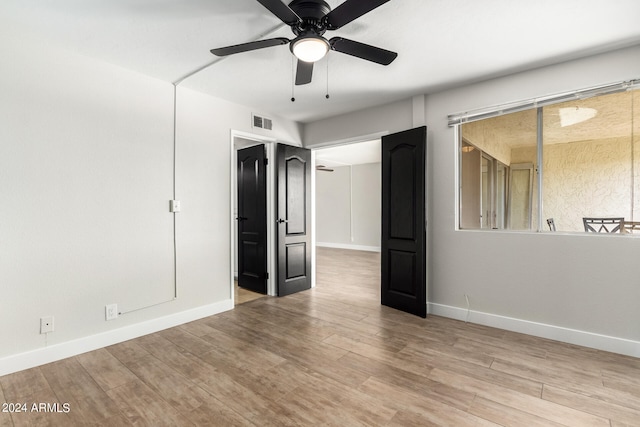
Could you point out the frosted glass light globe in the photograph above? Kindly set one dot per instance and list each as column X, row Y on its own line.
column 310, row 49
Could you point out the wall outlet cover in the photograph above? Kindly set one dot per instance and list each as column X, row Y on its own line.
column 46, row 324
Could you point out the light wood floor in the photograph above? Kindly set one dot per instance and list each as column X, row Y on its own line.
column 333, row 356
column 243, row 295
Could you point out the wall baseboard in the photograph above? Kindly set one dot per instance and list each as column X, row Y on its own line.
column 557, row 333
column 27, row 360
column 347, row 246
column 41, row 356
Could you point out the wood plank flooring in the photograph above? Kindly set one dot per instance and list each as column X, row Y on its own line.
column 332, row 356
column 244, row 295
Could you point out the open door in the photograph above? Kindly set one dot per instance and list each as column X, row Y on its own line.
column 252, row 219
column 294, row 218
column 403, row 257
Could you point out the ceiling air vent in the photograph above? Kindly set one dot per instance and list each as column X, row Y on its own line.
column 262, row 122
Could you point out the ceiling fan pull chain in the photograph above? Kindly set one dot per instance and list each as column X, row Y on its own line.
column 327, row 95
column 293, row 78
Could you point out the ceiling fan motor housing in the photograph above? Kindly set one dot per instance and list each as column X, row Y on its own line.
column 313, row 9
column 312, row 13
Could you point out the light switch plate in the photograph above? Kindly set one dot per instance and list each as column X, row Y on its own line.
column 111, row 311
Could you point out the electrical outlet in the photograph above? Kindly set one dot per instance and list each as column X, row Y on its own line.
column 46, row 324
column 111, row 311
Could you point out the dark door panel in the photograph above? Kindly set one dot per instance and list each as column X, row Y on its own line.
column 295, row 188
column 403, row 258
column 294, row 219
column 252, row 219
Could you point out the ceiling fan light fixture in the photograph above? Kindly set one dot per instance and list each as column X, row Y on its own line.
column 310, row 48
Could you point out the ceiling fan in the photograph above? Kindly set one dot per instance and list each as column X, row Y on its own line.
column 309, row 20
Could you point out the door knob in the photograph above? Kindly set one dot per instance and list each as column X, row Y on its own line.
column 241, row 218
column 280, row 221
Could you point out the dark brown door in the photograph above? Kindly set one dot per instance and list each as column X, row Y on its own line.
column 403, row 261
column 252, row 219
column 294, row 219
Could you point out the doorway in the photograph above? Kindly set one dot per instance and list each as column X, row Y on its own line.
column 347, row 196
column 348, row 218
column 397, row 206
column 240, row 141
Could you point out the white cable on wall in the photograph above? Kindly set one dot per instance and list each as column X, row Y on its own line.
column 466, row 320
column 175, row 256
column 175, row 246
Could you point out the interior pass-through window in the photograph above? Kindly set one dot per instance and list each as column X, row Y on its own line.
column 571, row 166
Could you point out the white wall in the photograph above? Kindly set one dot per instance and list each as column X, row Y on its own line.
column 563, row 286
column 348, row 207
column 360, row 124
column 333, row 206
column 367, row 195
column 86, row 171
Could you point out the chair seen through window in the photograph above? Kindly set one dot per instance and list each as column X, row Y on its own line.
column 602, row 225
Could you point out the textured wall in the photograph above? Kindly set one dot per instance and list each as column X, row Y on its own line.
column 582, row 179
column 587, row 179
column 498, row 135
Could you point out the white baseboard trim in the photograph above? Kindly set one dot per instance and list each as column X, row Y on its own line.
column 347, row 246
column 557, row 333
column 42, row 356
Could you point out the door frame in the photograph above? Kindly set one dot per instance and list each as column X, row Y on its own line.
column 269, row 144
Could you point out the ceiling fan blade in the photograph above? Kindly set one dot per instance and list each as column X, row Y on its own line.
column 363, row 51
column 282, row 11
column 244, row 47
column 304, row 72
column 350, row 10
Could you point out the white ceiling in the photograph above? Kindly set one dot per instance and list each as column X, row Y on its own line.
column 440, row 43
